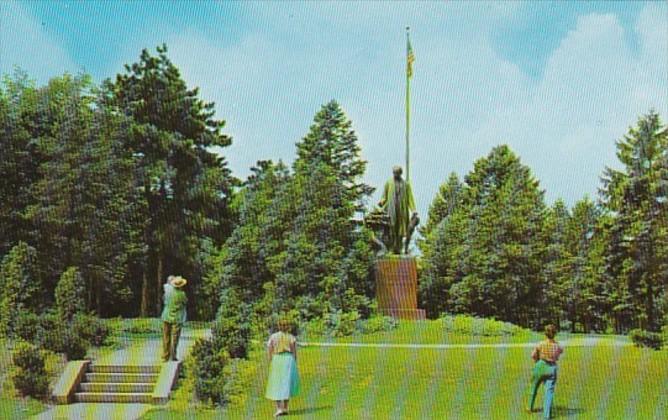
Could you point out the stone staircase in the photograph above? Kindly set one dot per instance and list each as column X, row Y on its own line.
column 86, row 382
column 117, row 384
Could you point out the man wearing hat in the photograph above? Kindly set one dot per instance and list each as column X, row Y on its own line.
column 173, row 316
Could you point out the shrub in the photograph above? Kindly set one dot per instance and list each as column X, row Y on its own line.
column 20, row 285
column 469, row 325
column 219, row 379
column 90, row 328
column 143, row 326
column 73, row 346
column 50, row 332
column 207, row 368
column 642, row 338
column 378, row 324
column 237, row 378
column 314, row 328
column 70, row 293
column 27, row 326
column 233, row 326
column 60, row 336
column 341, row 324
column 30, row 377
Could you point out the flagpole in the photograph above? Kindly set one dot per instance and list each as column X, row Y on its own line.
column 408, row 108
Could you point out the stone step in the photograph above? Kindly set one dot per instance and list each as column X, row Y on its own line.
column 109, row 397
column 143, row 378
column 116, row 387
column 94, row 368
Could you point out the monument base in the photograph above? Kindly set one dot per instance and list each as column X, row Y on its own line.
column 396, row 287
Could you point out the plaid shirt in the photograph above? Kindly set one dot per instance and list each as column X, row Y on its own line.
column 548, row 350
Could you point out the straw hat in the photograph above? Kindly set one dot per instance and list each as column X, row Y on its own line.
column 178, row 281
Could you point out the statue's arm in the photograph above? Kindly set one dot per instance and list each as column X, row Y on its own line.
column 411, row 200
column 383, row 198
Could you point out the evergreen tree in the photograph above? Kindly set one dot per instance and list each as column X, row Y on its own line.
column 636, row 197
column 186, row 186
column 20, row 285
column 263, row 223
column 443, row 205
column 332, row 142
column 326, row 260
column 553, row 297
column 70, row 294
column 582, row 289
column 19, row 156
column 442, row 263
column 86, row 202
column 495, row 268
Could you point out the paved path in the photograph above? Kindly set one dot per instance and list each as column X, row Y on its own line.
column 135, row 352
column 95, row 411
column 148, row 351
column 586, row 342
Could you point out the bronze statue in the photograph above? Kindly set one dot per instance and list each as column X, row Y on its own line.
column 398, row 205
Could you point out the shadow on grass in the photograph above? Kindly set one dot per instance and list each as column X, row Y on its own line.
column 558, row 412
column 313, row 410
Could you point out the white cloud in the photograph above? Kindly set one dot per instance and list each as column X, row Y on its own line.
column 25, row 43
column 466, row 98
column 593, row 88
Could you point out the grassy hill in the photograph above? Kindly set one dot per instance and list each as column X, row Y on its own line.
column 599, row 377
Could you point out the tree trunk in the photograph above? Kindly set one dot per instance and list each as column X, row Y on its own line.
column 98, row 296
column 158, row 300
column 650, row 305
column 144, row 294
column 89, row 303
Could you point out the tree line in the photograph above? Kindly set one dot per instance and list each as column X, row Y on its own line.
column 117, row 180
column 492, row 247
column 118, row 183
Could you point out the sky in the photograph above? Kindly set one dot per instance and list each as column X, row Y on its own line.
column 559, row 82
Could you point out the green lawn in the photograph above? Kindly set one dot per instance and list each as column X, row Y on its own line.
column 597, row 382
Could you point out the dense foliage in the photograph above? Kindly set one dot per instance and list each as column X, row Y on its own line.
column 70, row 294
column 20, row 287
column 642, row 338
column 30, row 377
column 492, row 248
column 121, row 181
column 296, row 245
column 117, row 180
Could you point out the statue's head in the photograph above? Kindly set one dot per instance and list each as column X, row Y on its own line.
column 397, row 171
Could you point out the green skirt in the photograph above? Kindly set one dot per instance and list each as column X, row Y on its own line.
column 283, row 380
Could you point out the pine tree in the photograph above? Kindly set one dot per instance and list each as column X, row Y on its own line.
column 332, row 142
column 583, row 285
column 19, row 156
column 264, row 221
column 444, row 204
column 553, row 298
column 86, row 200
column 636, row 196
column 494, row 268
column 186, row 186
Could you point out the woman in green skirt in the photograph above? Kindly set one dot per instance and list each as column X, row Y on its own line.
column 283, row 380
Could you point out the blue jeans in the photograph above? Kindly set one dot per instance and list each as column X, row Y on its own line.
column 543, row 372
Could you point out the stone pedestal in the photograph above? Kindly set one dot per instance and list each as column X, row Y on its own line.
column 396, row 287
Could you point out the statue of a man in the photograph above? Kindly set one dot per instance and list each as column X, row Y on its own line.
column 397, row 202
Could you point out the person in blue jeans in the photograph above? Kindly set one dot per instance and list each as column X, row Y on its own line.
column 545, row 356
